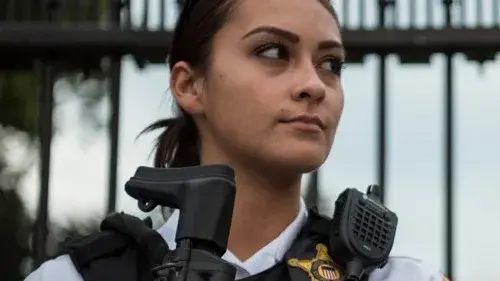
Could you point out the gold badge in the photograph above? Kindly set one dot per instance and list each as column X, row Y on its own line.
column 320, row 268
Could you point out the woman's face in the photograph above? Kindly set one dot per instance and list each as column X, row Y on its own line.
column 272, row 94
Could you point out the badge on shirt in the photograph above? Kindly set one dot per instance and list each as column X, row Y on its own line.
column 320, row 268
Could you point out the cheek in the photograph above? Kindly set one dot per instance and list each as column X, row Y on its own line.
column 238, row 107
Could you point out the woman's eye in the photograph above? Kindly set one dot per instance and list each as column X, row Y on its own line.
column 334, row 66
column 273, row 52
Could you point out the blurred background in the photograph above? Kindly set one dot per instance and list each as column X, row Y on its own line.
column 80, row 79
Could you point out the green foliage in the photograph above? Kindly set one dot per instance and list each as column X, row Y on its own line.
column 14, row 235
column 19, row 102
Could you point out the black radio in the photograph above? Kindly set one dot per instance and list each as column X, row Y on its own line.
column 362, row 232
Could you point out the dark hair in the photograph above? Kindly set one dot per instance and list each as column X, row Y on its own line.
column 199, row 21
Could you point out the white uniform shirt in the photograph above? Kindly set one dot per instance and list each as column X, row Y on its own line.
column 397, row 269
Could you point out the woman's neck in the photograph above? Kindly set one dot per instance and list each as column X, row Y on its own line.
column 263, row 209
column 265, row 204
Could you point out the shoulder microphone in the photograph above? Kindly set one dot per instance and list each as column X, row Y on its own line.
column 362, row 232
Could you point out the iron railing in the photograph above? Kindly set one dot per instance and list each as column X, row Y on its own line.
column 418, row 14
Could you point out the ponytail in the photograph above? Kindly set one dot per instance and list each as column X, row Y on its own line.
column 177, row 145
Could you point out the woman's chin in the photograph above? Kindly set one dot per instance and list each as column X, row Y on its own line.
column 300, row 159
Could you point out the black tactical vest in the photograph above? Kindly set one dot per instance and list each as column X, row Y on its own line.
column 126, row 250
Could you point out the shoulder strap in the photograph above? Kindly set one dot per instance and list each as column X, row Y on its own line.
column 317, row 225
column 125, row 249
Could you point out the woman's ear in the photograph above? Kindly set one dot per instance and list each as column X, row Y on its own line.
column 185, row 88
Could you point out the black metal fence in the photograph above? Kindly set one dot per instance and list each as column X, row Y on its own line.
column 57, row 36
column 418, row 14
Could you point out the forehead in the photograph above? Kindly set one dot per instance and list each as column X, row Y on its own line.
column 304, row 17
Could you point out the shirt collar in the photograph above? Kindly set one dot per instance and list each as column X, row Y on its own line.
column 265, row 258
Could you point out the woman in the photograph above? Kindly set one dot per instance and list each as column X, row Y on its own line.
column 258, row 87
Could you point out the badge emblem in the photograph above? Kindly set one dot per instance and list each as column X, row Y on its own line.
column 320, row 268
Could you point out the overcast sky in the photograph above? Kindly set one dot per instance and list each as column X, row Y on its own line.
column 415, row 154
